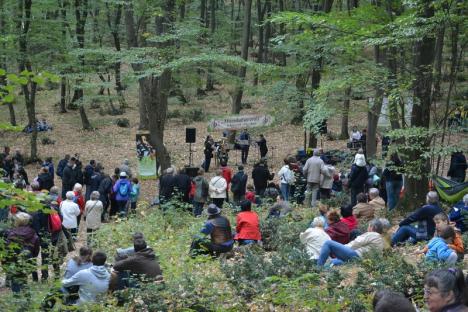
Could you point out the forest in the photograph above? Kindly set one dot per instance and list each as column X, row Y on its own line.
column 84, row 78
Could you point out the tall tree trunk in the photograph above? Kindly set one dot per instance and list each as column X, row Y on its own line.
column 209, row 76
column 266, row 40
column 439, row 48
column 63, row 95
column 282, row 55
column 420, row 115
column 260, row 15
column 373, row 113
column 237, row 98
column 3, row 59
column 11, row 110
column 345, row 114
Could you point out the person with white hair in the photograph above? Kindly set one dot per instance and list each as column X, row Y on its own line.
column 376, row 201
column 459, row 214
column 24, row 239
column 70, row 212
column 93, row 213
column 312, row 171
column 314, row 237
column 167, row 184
column 125, row 167
column 424, row 217
column 358, row 176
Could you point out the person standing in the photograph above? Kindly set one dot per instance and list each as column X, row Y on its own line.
column 358, row 176
column 62, row 164
column 48, row 163
column 166, row 185
column 208, row 152
column 227, row 175
column 92, row 214
column 326, row 180
column 122, row 190
column 201, row 193
column 262, row 145
column 104, row 189
column 125, row 167
column 260, row 176
column 69, row 176
column 393, row 181
column 245, row 145
column 135, row 194
column 239, row 183
column 218, row 189
column 183, row 184
column 70, row 212
column 312, row 171
column 88, row 173
column 286, row 176
column 457, row 169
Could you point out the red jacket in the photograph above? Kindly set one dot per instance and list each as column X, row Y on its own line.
column 80, row 201
column 339, row 232
column 227, row 175
column 351, row 221
column 248, row 226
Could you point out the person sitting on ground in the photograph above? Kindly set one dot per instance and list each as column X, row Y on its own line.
column 219, row 230
column 371, row 240
column 363, row 211
column 78, row 263
column 441, row 220
column 271, row 192
column 424, row 216
column 445, row 291
column 386, row 300
column 459, row 214
column 438, row 249
column 143, row 265
column 348, row 218
column 377, row 202
column 93, row 282
column 123, row 253
column 22, row 246
column 45, row 179
column 386, row 226
column 280, row 209
column 313, row 238
column 247, row 225
column 70, row 212
column 338, row 230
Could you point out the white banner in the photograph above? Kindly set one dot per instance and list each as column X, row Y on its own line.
column 240, row 122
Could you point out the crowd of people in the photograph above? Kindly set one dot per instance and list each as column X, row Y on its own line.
column 336, row 236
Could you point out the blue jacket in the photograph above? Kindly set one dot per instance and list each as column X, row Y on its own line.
column 438, row 250
column 93, row 282
column 425, row 213
column 122, row 197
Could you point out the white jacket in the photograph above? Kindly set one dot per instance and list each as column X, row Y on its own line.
column 286, row 175
column 367, row 242
column 218, row 186
column 70, row 211
column 326, row 179
column 313, row 239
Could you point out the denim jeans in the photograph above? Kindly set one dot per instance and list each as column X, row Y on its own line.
column 403, row 234
column 342, row 253
column 197, row 208
column 122, row 206
column 312, row 190
column 393, row 189
column 284, row 188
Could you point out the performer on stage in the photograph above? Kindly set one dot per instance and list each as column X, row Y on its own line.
column 244, row 143
column 208, row 151
column 262, row 145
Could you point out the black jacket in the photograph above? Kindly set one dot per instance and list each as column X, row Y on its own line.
column 239, row 183
column 183, row 183
column 260, row 176
column 166, row 186
column 457, row 166
column 45, row 181
column 142, row 262
column 358, row 177
column 104, row 189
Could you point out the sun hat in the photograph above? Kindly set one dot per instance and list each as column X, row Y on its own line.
column 213, row 210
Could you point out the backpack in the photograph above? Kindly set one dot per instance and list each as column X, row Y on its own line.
column 123, row 189
column 55, row 224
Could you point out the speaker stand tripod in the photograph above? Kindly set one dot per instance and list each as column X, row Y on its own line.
column 190, row 155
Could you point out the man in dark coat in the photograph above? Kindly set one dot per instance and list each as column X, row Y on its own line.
column 139, row 267
column 183, row 184
column 104, row 189
column 262, row 145
column 69, row 176
column 457, row 169
column 238, row 185
column 166, row 185
column 261, row 175
column 62, row 164
column 87, row 174
column 45, row 179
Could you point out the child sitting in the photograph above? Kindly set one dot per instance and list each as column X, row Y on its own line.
column 441, row 221
column 438, row 248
